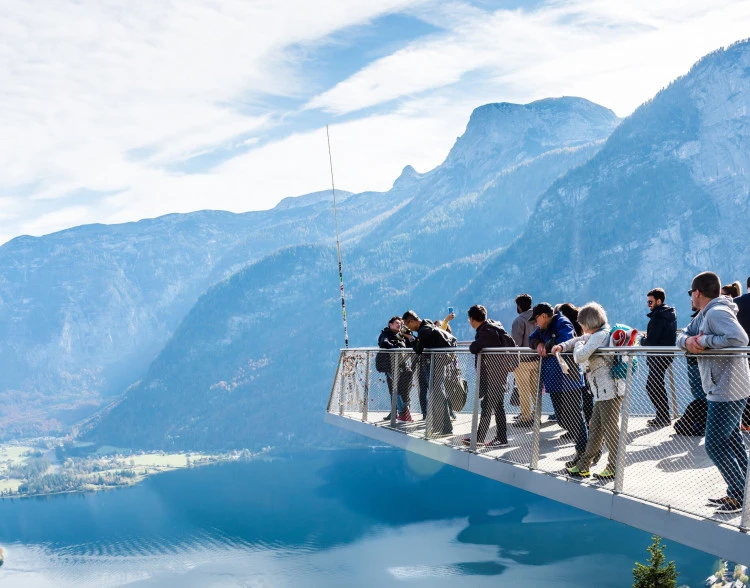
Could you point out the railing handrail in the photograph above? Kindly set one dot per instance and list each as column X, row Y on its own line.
column 603, row 350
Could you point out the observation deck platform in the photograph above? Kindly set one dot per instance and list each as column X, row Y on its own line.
column 663, row 482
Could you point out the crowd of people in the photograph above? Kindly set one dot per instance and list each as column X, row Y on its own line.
column 585, row 388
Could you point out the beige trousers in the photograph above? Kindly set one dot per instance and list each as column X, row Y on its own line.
column 527, row 376
column 603, row 428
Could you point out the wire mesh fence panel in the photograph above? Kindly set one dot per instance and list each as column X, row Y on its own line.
column 684, row 462
column 381, row 368
column 650, row 432
column 507, row 386
column 451, row 396
column 564, row 431
column 352, row 388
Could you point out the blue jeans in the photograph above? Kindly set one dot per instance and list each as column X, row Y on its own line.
column 568, row 408
column 725, row 446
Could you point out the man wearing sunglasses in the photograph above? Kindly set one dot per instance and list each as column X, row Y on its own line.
column 726, row 381
column 661, row 332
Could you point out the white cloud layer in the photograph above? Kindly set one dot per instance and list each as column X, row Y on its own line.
column 101, row 104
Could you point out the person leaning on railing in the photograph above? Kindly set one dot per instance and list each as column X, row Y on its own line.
column 431, row 337
column 726, row 381
column 565, row 390
column 395, row 336
column 607, row 391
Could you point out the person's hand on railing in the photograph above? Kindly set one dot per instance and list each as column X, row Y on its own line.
column 693, row 344
column 556, row 349
column 541, row 349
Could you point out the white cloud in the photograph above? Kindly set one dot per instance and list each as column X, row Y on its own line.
column 615, row 53
column 97, row 95
column 105, row 97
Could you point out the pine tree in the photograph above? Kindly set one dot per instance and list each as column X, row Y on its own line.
column 657, row 574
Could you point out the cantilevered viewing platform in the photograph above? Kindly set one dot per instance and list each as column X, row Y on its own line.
column 663, row 479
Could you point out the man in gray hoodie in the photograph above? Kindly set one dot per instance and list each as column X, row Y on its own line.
column 526, row 374
column 726, row 381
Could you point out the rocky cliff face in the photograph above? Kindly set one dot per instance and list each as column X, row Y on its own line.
column 665, row 198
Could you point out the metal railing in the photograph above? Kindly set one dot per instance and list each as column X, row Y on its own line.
column 500, row 403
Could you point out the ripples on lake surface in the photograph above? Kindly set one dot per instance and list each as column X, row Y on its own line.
column 327, row 518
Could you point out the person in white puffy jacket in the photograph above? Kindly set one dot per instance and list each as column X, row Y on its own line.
column 607, row 390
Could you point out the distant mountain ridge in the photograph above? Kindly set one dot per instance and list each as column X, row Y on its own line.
column 643, row 209
column 428, row 226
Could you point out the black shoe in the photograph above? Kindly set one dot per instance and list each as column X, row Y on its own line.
column 658, row 423
column 387, row 418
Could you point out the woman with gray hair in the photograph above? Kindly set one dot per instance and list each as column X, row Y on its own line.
column 607, row 390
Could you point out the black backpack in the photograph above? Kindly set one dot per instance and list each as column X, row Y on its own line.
column 512, row 360
column 693, row 422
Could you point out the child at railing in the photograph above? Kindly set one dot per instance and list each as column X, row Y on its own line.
column 607, row 390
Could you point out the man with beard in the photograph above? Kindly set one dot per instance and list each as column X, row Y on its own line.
column 662, row 332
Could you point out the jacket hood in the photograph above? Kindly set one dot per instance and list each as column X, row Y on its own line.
column 663, row 312
column 722, row 301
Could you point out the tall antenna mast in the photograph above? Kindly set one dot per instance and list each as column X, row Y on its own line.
column 338, row 244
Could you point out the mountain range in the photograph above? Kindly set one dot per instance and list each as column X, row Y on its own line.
column 214, row 330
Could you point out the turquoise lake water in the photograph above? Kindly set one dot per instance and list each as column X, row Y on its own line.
column 360, row 518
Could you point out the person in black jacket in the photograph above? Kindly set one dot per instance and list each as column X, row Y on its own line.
column 394, row 365
column 743, row 315
column 661, row 332
column 431, row 337
column 492, row 377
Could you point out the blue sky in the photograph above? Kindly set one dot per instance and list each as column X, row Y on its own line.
column 125, row 110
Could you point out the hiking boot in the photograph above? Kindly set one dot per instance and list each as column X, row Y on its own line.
column 578, row 473
column 731, row 505
column 605, row 474
column 497, row 442
column 406, row 416
column 658, row 423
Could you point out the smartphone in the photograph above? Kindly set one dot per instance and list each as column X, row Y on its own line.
column 450, row 310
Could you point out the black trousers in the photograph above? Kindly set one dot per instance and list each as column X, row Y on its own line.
column 493, row 402
column 657, row 391
column 422, row 369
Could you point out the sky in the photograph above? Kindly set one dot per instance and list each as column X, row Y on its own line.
column 119, row 110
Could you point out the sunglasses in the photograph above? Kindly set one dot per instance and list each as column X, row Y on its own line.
column 690, row 292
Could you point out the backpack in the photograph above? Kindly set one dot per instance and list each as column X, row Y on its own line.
column 513, row 359
column 448, row 339
column 383, row 362
column 693, row 422
column 622, row 336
